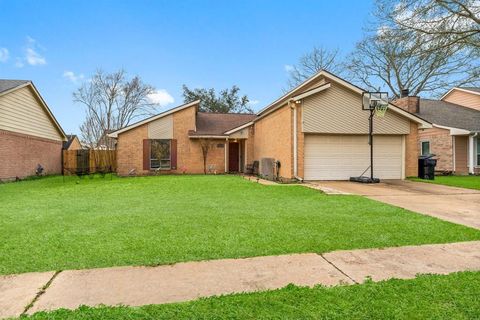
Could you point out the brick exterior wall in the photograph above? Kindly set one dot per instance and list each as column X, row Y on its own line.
column 189, row 151
column 412, row 151
column 273, row 139
column 441, row 144
column 20, row 154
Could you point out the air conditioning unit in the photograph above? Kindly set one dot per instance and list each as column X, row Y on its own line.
column 267, row 168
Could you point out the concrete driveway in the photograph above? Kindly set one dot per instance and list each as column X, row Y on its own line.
column 456, row 205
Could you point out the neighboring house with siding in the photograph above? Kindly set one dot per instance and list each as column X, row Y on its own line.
column 454, row 138
column 317, row 131
column 29, row 133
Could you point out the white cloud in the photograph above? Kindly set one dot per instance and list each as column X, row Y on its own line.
column 32, row 56
column 162, row 97
column 74, row 78
column 288, row 68
column 4, row 54
column 253, row 102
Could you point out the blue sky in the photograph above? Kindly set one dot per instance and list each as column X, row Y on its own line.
column 59, row 44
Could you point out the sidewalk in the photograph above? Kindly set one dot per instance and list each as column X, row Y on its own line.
column 137, row 286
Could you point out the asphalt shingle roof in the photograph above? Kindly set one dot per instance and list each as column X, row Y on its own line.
column 10, row 84
column 449, row 114
column 217, row 123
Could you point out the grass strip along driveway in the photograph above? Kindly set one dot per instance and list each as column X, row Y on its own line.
column 454, row 296
column 469, row 182
column 48, row 224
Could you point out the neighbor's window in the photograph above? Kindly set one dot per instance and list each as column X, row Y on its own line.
column 425, row 148
column 160, row 154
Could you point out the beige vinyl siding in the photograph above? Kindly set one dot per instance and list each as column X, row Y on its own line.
column 161, row 128
column 463, row 98
column 242, row 134
column 22, row 112
column 339, row 157
column 339, row 110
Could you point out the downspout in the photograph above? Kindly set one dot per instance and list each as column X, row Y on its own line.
column 293, row 105
column 471, row 148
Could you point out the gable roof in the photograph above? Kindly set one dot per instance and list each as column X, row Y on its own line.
column 114, row 134
column 473, row 90
column 450, row 115
column 70, row 138
column 7, row 86
column 297, row 92
column 217, row 124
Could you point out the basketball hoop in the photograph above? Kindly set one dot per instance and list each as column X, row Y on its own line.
column 380, row 110
column 377, row 104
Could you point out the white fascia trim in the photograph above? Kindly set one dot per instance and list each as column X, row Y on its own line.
column 459, row 89
column 208, row 137
column 158, row 116
column 312, row 91
column 285, row 96
column 453, row 131
column 243, row 126
column 424, row 124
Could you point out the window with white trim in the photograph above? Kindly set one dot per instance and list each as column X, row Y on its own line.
column 160, row 154
column 425, row 147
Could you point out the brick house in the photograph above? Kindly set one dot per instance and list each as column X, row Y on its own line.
column 29, row 133
column 317, row 131
column 456, row 126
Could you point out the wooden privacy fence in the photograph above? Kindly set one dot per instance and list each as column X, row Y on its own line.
column 82, row 162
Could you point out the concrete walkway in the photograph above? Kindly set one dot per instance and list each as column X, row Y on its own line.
column 135, row 286
column 457, row 205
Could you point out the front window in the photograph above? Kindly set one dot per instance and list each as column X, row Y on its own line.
column 160, row 154
column 425, row 148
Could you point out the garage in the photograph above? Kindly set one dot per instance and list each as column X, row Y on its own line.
column 339, row 157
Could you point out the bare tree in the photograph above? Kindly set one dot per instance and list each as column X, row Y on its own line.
column 206, row 145
column 395, row 59
column 310, row 63
column 448, row 22
column 112, row 102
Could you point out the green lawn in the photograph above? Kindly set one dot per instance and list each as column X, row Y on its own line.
column 48, row 224
column 455, row 296
column 469, row 182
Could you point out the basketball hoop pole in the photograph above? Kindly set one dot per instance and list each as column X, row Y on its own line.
column 370, row 140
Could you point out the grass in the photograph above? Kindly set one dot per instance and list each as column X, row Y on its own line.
column 469, row 182
column 454, row 296
column 48, row 224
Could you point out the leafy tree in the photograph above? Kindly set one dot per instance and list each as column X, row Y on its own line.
column 227, row 100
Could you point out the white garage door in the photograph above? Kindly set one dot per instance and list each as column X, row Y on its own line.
column 339, row 157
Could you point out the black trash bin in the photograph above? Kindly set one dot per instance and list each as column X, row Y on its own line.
column 426, row 167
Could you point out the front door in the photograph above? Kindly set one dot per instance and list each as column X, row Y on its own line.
column 233, row 152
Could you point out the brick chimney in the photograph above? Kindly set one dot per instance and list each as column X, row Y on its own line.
column 407, row 102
